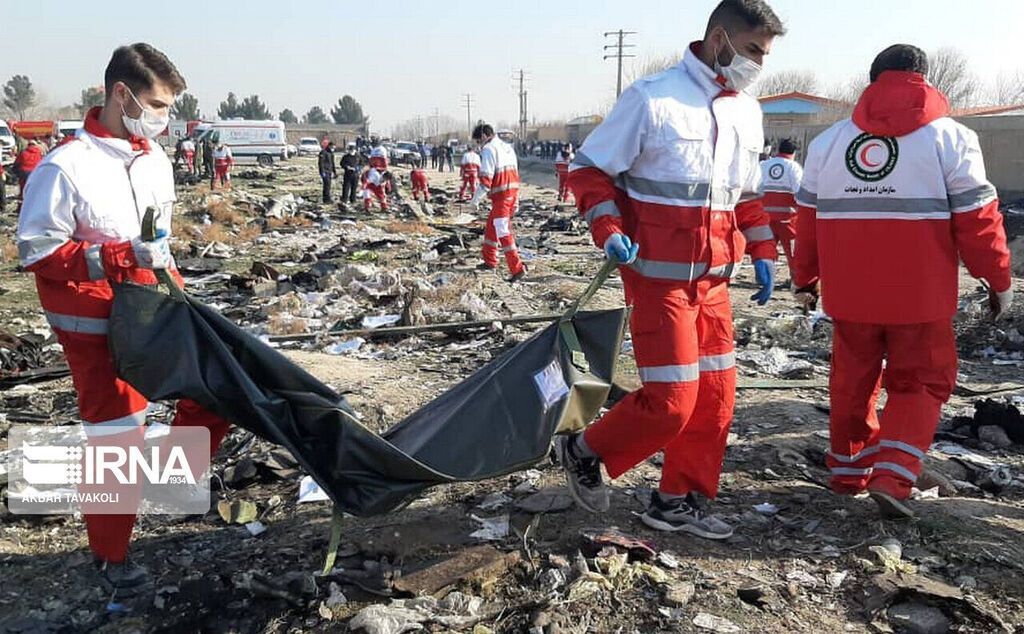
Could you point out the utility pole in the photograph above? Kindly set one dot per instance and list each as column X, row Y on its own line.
column 468, row 102
column 521, row 78
column 618, row 54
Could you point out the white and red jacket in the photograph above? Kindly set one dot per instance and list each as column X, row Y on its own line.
column 223, row 159
column 188, row 146
column 675, row 166
column 891, row 201
column 84, row 207
column 470, row 163
column 780, row 181
column 379, row 158
column 499, row 168
column 562, row 163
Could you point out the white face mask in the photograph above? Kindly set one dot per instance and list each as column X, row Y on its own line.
column 148, row 125
column 741, row 73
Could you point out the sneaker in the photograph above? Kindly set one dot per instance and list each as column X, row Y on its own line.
column 890, row 507
column 483, row 266
column 583, row 475
column 518, row 276
column 125, row 579
column 684, row 514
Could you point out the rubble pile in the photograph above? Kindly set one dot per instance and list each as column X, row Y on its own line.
column 389, row 309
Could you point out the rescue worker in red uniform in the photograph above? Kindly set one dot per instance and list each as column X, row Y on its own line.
column 470, row 171
column 892, row 200
column 420, row 187
column 565, row 157
column 223, row 161
column 26, row 162
column 374, row 180
column 780, row 181
column 669, row 185
column 188, row 150
column 499, row 180
column 80, row 225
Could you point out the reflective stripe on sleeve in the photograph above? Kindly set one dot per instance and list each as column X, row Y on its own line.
column 972, row 198
column 758, row 233
column 606, row 208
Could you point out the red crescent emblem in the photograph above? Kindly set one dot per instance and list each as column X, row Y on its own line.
column 864, row 154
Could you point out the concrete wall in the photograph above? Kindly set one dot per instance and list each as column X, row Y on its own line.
column 1002, row 142
column 340, row 134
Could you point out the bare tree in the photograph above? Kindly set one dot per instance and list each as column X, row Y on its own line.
column 787, row 81
column 651, row 65
column 950, row 72
column 1006, row 89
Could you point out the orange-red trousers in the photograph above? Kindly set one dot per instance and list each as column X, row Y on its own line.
column 563, row 186
column 108, row 404
column 469, row 180
column 371, row 191
column 499, row 235
column 683, row 343
column 784, row 232
column 920, row 364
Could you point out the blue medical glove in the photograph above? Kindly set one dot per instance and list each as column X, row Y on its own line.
column 620, row 248
column 764, row 273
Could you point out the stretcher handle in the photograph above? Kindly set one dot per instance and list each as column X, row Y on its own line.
column 565, row 324
column 591, row 290
column 162, row 275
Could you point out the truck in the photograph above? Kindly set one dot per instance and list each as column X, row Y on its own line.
column 259, row 141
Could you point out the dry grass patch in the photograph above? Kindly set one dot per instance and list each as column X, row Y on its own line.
column 291, row 221
column 409, row 227
column 224, row 212
column 8, row 250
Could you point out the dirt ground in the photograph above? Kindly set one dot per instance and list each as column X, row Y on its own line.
column 802, row 558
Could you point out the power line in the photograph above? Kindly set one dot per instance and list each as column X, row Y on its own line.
column 618, row 54
column 467, row 99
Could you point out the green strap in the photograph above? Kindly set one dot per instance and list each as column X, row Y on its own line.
column 332, row 546
column 162, row 275
column 565, row 324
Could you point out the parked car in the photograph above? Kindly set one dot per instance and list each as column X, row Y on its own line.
column 290, row 151
column 309, row 145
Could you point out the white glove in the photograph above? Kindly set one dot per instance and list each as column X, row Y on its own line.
column 478, row 196
column 152, row 255
column 999, row 303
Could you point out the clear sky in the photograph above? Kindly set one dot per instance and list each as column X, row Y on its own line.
column 404, row 58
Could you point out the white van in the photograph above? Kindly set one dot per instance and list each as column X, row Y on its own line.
column 259, row 141
column 68, row 128
column 7, row 144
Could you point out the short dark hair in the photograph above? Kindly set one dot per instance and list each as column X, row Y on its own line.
column 786, row 146
column 745, row 15
column 904, row 57
column 139, row 66
column 482, row 130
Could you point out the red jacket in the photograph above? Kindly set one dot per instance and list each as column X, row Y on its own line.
column 891, row 201
column 419, row 179
column 674, row 166
column 27, row 160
